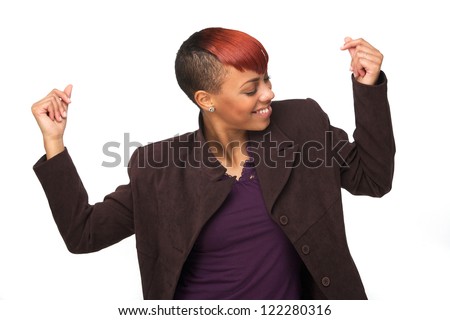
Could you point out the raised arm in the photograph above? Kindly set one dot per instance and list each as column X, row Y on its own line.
column 370, row 158
column 84, row 227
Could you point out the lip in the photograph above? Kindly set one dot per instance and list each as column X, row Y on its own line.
column 263, row 115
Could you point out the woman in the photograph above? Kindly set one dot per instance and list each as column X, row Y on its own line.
column 249, row 205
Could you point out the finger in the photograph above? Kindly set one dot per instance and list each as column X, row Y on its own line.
column 369, row 55
column 356, row 67
column 347, row 39
column 58, row 108
column 63, row 107
column 68, row 90
column 352, row 51
column 367, row 60
column 63, row 111
column 363, row 50
column 346, row 47
column 61, row 95
column 358, row 70
column 354, row 43
column 51, row 110
column 367, row 71
column 369, row 66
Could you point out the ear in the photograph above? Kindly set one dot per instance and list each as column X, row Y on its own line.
column 203, row 99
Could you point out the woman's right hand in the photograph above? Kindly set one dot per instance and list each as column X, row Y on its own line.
column 51, row 116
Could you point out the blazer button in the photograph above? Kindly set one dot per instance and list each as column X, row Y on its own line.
column 326, row 281
column 305, row 249
column 284, row 220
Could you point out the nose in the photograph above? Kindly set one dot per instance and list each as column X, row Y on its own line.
column 267, row 94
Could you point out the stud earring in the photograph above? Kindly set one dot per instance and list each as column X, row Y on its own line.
column 211, row 109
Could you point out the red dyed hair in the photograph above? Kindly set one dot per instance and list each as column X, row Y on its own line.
column 235, row 48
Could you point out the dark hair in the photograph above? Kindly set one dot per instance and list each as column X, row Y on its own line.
column 200, row 59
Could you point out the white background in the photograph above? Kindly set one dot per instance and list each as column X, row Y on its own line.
column 119, row 56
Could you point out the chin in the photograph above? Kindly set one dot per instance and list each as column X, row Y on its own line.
column 260, row 126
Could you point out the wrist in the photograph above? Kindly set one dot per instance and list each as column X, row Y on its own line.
column 53, row 147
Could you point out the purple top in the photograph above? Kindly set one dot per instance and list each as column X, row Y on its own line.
column 241, row 253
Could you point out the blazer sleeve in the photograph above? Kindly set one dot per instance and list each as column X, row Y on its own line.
column 369, row 160
column 84, row 227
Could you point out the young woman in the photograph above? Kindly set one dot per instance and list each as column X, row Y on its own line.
column 249, row 205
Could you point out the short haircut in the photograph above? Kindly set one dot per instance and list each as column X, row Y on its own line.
column 200, row 59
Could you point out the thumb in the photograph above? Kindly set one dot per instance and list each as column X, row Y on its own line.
column 68, row 90
column 351, row 50
column 347, row 39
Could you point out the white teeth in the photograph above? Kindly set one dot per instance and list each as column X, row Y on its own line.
column 262, row 111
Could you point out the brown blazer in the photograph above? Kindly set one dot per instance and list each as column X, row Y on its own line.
column 175, row 187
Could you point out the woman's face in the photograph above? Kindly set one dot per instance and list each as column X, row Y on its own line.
column 244, row 101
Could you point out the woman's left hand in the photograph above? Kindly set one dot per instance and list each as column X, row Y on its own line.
column 366, row 60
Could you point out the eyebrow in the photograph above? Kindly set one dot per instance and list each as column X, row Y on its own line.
column 251, row 80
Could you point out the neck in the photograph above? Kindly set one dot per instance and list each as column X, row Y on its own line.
column 228, row 146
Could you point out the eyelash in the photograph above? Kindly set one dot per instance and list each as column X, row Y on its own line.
column 266, row 79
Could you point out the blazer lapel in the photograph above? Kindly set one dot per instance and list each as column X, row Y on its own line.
column 275, row 155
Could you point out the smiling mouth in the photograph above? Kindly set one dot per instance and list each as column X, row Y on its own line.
column 262, row 111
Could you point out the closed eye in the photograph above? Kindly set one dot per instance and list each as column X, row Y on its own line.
column 266, row 79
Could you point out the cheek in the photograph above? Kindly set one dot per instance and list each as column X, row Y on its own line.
column 239, row 106
column 247, row 103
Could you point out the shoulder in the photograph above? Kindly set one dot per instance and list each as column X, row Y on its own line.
column 307, row 109
column 162, row 154
column 294, row 115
